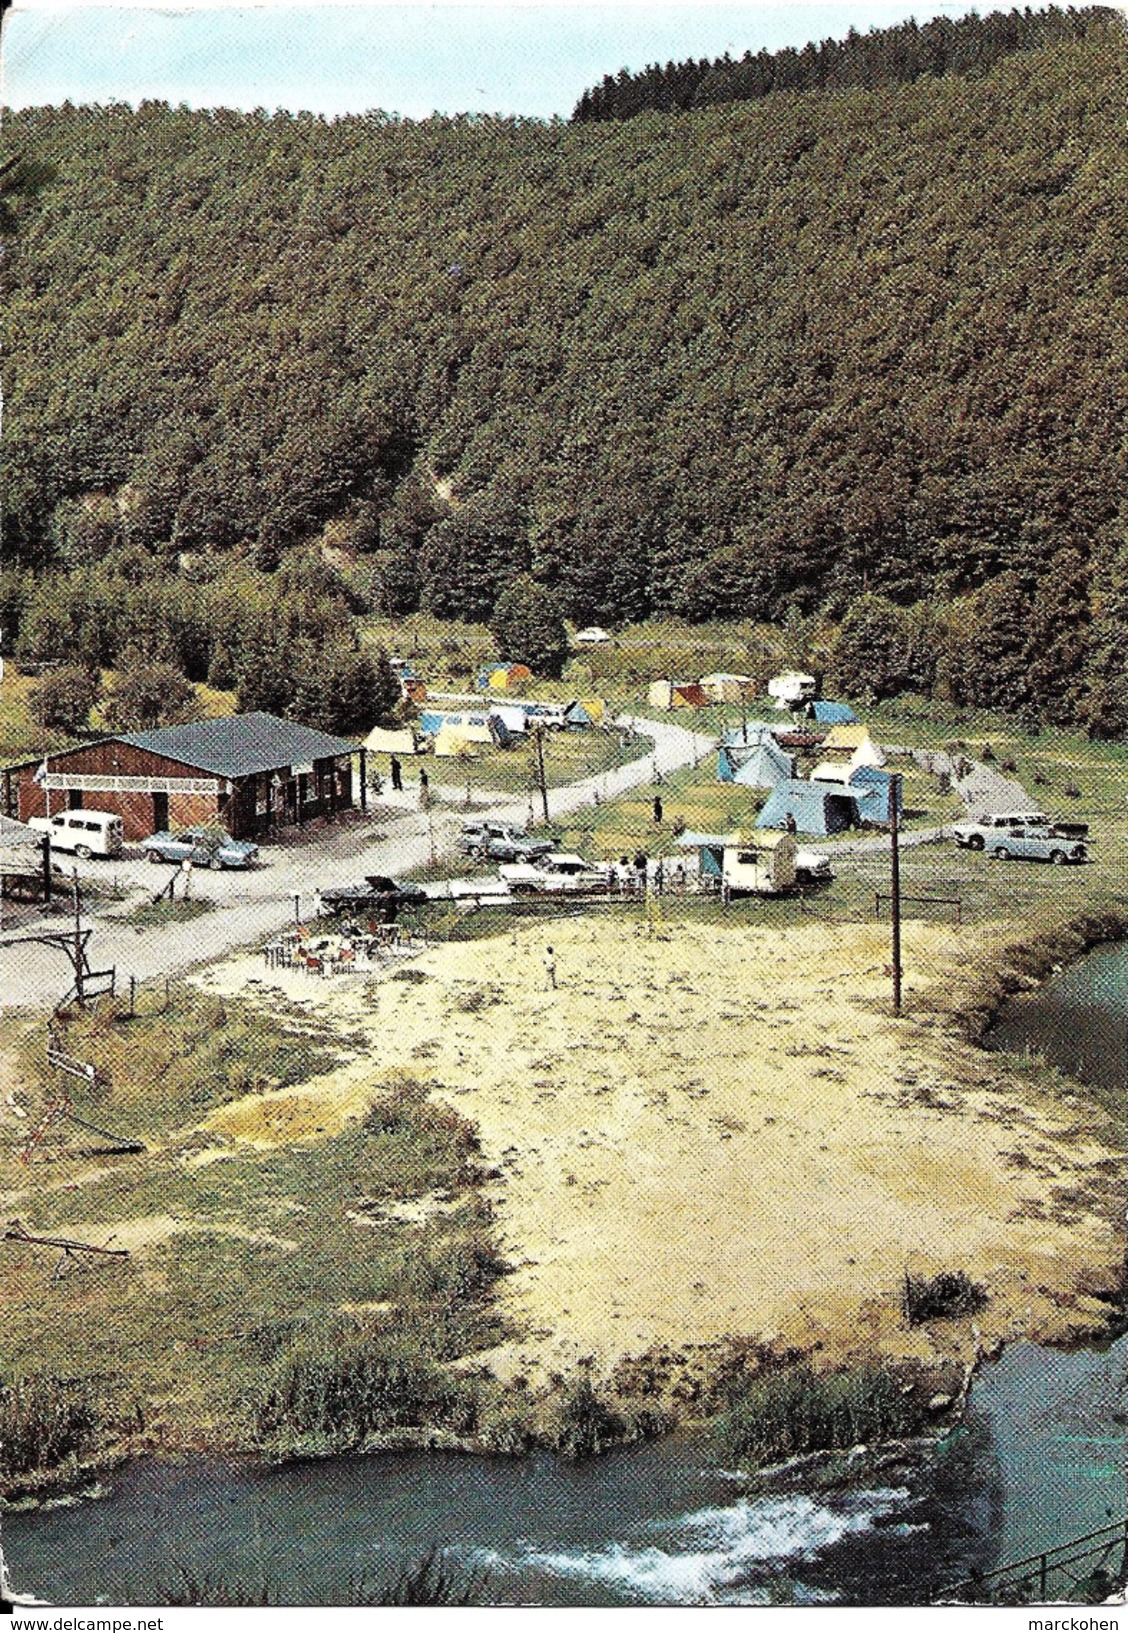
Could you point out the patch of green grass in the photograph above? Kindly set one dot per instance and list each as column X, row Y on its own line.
column 155, row 915
column 798, row 1410
column 44, row 1421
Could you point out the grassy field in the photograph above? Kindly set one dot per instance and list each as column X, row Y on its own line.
column 250, row 1258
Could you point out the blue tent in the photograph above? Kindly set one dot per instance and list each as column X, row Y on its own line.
column 834, row 714
column 870, row 788
column 760, row 765
column 755, row 732
column 817, row 807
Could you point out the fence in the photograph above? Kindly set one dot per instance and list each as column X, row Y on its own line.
column 1040, row 1578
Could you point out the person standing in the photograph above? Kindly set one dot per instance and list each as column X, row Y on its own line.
column 658, row 810
column 424, row 789
column 397, row 775
column 550, row 967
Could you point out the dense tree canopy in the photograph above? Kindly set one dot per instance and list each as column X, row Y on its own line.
column 885, row 56
column 768, row 356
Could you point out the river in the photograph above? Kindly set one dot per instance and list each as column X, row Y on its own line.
column 1039, row 1459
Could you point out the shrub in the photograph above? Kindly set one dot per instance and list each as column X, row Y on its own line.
column 934, row 1298
column 584, row 1423
column 43, row 1421
column 63, row 699
column 798, row 1410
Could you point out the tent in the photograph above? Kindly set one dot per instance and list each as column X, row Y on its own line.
column 689, row 695
column 816, row 807
column 757, row 765
column 413, row 688
column 867, row 753
column 586, row 711
column 503, row 677
column 508, row 724
column 871, row 790
column 751, row 731
column 834, row 714
column 846, row 737
column 661, row 694
column 380, row 741
column 450, row 744
column 472, row 724
column 711, row 849
column 723, row 688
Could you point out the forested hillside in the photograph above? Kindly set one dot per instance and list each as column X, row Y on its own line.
column 792, row 353
column 884, row 56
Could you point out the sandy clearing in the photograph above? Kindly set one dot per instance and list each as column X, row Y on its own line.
column 724, row 1132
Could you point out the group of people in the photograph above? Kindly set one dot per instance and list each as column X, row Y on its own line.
column 627, row 878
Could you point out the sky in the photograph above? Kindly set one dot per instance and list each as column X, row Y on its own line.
column 408, row 57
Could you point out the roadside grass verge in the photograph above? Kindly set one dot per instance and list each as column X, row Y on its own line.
column 150, row 915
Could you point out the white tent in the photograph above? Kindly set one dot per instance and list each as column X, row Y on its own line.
column 380, row 741
column 867, row 753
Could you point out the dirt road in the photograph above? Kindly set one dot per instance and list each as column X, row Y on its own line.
column 396, row 838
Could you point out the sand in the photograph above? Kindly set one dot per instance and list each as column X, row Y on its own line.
column 724, row 1132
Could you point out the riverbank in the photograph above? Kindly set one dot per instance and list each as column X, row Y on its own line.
column 709, row 1148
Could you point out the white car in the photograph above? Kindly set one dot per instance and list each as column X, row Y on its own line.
column 86, row 833
column 811, row 866
column 557, row 873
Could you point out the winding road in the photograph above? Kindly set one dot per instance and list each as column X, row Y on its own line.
column 395, row 838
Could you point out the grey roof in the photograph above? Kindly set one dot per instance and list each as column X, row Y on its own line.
column 239, row 745
column 14, row 833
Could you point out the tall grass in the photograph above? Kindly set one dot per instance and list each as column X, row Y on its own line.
column 799, row 1410
column 342, row 1387
column 43, row 1421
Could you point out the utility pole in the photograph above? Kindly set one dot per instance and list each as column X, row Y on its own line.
column 895, row 884
column 539, row 736
column 79, row 951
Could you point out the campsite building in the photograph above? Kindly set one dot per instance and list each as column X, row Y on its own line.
column 251, row 773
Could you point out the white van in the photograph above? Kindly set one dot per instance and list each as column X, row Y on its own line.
column 86, row 833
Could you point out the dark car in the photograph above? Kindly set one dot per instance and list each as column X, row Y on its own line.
column 375, row 897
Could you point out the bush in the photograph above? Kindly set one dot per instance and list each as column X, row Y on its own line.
column 43, row 1421
column 935, row 1298
column 528, row 626
column 147, row 695
column 584, row 1424
column 798, row 1410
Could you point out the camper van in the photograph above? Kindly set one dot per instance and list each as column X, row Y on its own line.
column 792, row 689
column 86, row 833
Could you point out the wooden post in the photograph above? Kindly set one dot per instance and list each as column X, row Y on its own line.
column 45, row 844
column 895, row 884
column 363, row 778
column 132, row 996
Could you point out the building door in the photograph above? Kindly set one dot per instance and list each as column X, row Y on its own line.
column 74, row 799
column 160, row 813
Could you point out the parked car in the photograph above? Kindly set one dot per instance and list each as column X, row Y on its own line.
column 812, row 867
column 84, row 833
column 1035, row 844
column 376, row 896
column 1030, row 836
column 973, row 835
column 201, row 848
column 500, row 842
column 559, row 872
